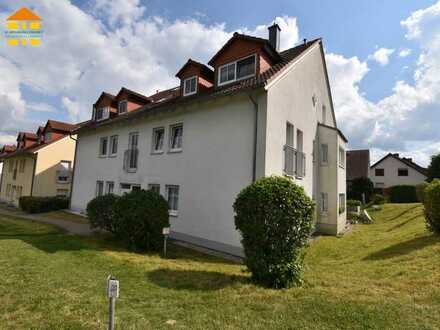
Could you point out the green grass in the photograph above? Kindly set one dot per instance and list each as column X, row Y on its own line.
column 63, row 215
column 380, row 276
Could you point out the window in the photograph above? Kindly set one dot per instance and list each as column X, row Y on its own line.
column 324, row 202
column 324, row 153
column 237, row 70
column 8, row 190
column 324, row 114
column 63, row 174
column 341, row 157
column 109, row 187
column 131, row 156
column 135, row 187
column 103, row 146
column 99, row 188
column 102, row 113
column 176, row 137
column 173, row 199
column 158, row 136
column 122, row 107
column 379, row 172
column 62, row 192
column 113, row 145
column 11, row 165
column 341, row 203
column 289, row 134
column 379, row 184
column 402, row 172
column 47, row 136
column 19, row 191
column 22, row 165
column 299, row 140
column 190, row 86
column 154, row 187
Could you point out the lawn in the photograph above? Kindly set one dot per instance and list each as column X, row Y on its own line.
column 380, row 276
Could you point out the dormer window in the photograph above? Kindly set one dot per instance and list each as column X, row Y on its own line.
column 102, row 113
column 48, row 136
column 122, row 107
column 241, row 69
column 190, row 86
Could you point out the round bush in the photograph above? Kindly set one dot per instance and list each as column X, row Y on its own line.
column 275, row 219
column 140, row 217
column 432, row 206
column 403, row 194
column 100, row 212
column 359, row 188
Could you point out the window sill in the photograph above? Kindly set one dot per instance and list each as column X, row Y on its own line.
column 102, row 156
column 157, row 152
column 174, row 214
column 174, row 151
column 63, row 182
column 131, row 170
column 324, row 164
column 113, row 156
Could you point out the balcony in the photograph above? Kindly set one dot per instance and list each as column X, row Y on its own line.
column 131, row 160
column 294, row 162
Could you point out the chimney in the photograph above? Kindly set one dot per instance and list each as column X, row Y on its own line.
column 274, row 36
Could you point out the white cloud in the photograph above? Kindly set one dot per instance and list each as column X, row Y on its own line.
column 382, row 56
column 404, row 52
column 8, row 139
column 40, row 107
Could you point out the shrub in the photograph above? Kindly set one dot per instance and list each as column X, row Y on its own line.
column 359, row 187
column 354, row 218
column 100, row 212
column 353, row 203
column 432, row 206
column 403, row 194
column 420, row 191
column 140, row 217
column 378, row 199
column 32, row 204
column 274, row 217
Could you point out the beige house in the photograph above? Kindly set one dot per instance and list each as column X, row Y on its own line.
column 41, row 165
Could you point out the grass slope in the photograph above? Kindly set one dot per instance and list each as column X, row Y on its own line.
column 380, row 276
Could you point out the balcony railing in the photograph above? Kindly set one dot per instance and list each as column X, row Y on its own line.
column 294, row 162
column 131, row 160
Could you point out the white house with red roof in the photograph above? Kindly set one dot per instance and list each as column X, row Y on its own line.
column 253, row 111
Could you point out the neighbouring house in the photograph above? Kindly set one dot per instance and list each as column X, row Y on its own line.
column 5, row 150
column 253, row 111
column 393, row 170
column 41, row 165
column 358, row 164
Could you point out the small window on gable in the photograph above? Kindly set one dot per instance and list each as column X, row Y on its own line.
column 102, row 113
column 190, row 86
column 237, row 70
column 122, row 107
column 402, row 172
column 379, row 172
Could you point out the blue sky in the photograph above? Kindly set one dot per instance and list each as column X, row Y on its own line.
column 382, row 59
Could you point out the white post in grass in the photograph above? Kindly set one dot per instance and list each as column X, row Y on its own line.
column 112, row 294
column 165, row 232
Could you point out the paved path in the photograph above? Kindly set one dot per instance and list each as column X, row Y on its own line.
column 69, row 226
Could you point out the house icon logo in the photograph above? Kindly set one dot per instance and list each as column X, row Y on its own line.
column 24, row 27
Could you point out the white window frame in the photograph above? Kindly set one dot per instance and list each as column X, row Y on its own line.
column 105, row 113
column 102, row 155
column 119, row 106
column 344, row 203
column 67, row 173
column 170, row 146
column 153, row 144
column 111, row 140
column 153, row 186
column 172, row 212
column 341, row 157
column 323, row 147
column 219, row 83
column 188, row 80
column 99, row 186
column 109, row 184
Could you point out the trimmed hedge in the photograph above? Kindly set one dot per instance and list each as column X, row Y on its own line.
column 275, row 219
column 139, row 218
column 100, row 212
column 403, row 194
column 432, row 206
column 32, row 204
column 420, row 191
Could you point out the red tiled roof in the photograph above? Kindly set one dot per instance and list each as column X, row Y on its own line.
column 60, row 126
column 207, row 71
column 166, row 100
column 133, row 93
column 28, row 135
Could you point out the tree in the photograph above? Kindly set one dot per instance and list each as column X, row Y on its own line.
column 361, row 186
column 434, row 168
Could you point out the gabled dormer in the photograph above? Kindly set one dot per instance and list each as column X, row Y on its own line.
column 104, row 107
column 194, row 77
column 127, row 100
column 40, row 134
column 26, row 139
column 245, row 57
column 55, row 130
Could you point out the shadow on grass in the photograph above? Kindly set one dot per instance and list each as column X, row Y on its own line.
column 399, row 225
column 404, row 212
column 194, row 280
column 404, row 248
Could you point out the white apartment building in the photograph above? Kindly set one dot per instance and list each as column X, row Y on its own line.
column 254, row 111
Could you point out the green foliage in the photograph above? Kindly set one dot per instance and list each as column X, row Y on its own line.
column 420, row 191
column 403, row 194
column 432, row 206
column 353, row 203
column 140, row 217
column 434, row 168
column 100, row 212
column 378, row 199
column 360, row 186
column 275, row 219
column 361, row 218
column 32, row 204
